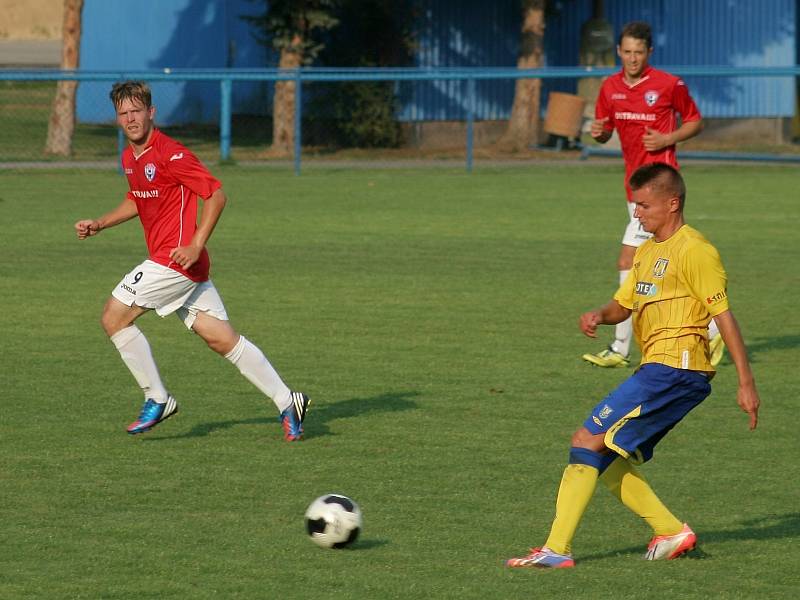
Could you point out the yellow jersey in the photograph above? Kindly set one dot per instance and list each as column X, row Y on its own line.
column 674, row 289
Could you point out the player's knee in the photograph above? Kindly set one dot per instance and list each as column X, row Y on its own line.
column 222, row 344
column 624, row 263
column 111, row 323
column 583, row 438
column 219, row 346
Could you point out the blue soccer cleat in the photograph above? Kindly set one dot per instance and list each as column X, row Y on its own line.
column 292, row 418
column 542, row 558
column 152, row 414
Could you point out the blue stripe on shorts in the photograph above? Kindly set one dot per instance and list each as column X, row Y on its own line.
column 636, row 415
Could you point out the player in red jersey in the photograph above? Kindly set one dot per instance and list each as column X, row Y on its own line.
column 642, row 104
column 165, row 181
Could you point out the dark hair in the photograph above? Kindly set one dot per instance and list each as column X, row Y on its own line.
column 131, row 90
column 663, row 178
column 638, row 30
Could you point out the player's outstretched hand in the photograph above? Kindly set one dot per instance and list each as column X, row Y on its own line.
column 87, row 228
column 589, row 322
column 747, row 398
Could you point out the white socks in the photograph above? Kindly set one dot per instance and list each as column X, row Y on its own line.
column 256, row 368
column 135, row 352
column 624, row 331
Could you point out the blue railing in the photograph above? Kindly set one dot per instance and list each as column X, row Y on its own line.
column 226, row 77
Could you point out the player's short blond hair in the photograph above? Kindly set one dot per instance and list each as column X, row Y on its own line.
column 131, row 90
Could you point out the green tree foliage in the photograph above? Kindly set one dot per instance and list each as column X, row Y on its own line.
column 371, row 33
column 294, row 25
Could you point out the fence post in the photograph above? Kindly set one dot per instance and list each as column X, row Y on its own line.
column 225, row 87
column 120, row 148
column 298, row 119
column 470, row 119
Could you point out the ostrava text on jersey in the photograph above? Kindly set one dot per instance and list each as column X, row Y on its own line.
column 165, row 181
column 653, row 102
column 674, row 289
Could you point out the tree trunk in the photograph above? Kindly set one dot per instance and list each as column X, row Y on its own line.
column 524, row 124
column 283, row 102
column 62, row 115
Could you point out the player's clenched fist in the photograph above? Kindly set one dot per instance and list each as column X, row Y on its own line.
column 87, row 228
column 598, row 128
column 589, row 322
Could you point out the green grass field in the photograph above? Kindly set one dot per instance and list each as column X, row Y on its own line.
column 432, row 317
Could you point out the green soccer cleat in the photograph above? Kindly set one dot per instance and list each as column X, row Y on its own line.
column 716, row 347
column 608, row 358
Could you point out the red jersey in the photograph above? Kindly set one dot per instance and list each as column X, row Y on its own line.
column 165, row 181
column 652, row 102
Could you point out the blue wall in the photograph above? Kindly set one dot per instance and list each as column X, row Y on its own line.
column 740, row 33
column 153, row 34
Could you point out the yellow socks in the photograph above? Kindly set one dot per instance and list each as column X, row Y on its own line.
column 574, row 493
column 628, row 485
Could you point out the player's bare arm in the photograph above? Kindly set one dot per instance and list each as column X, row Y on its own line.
column 747, row 394
column 655, row 140
column 610, row 314
column 187, row 255
column 124, row 212
column 599, row 132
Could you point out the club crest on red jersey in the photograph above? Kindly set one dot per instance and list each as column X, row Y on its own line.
column 150, row 171
column 651, row 98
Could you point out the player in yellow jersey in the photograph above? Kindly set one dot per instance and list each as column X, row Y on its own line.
column 676, row 286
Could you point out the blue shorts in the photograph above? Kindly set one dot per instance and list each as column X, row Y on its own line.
column 636, row 415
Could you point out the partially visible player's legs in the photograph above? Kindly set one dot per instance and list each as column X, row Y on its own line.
column 618, row 352
column 588, row 458
column 671, row 538
column 118, row 322
column 623, row 332
column 715, row 343
column 253, row 364
column 631, row 488
column 248, row 358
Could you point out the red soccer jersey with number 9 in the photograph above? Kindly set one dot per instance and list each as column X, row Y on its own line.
column 165, row 181
column 654, row 102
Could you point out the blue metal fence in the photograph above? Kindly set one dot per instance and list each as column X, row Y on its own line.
column 226, row 77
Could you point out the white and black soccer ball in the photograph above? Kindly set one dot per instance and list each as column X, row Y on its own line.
column 333, row 521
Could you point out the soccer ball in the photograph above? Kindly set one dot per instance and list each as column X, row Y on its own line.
column 333, row 521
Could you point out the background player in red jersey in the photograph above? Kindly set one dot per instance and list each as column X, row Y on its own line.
column 166, row 180
column 642, row 104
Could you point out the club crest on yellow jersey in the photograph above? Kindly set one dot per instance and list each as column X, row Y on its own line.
column 660, row 267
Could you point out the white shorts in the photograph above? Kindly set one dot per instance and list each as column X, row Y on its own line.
column 634, row 234
column 154, row 286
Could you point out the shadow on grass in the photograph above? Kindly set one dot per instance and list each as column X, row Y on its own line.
column 769, row 527
column 367, row 544
column 318, row 417
column 765, row 344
